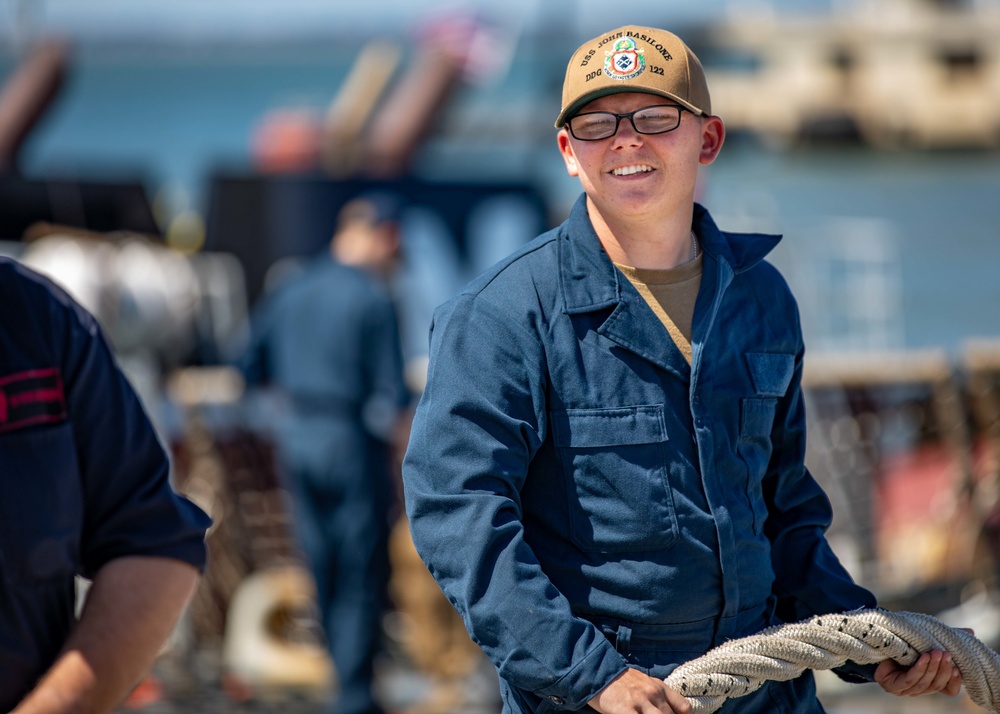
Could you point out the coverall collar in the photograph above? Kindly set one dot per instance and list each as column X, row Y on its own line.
column 589, row 280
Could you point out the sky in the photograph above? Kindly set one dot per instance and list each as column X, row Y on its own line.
column 193, row 20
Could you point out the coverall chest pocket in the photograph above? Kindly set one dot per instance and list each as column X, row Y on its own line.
column 41, row 513
column 615, row 463
column 771, row 375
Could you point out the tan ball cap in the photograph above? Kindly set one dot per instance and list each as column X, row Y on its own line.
column 634, row 59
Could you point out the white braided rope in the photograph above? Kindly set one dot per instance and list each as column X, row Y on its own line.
column 741, row 666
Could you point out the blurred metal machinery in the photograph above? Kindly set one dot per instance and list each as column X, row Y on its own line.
column 905, row 444
column 254, row 612
column 981, row 368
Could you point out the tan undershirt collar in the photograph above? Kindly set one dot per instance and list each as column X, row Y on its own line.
column 671, row 294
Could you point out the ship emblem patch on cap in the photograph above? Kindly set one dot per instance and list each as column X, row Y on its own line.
column 626, row 61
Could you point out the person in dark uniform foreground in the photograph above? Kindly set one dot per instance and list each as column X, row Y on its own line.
column 84, row 490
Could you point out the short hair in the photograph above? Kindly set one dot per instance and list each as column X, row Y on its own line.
column 371, row 209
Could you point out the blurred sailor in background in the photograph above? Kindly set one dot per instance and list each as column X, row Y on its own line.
column 327, row 338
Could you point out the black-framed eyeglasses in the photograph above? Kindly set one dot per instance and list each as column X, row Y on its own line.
column 594, row 126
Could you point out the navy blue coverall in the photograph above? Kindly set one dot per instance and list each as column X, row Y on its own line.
column 328, row 339
column 83, row 477
column 588, row 501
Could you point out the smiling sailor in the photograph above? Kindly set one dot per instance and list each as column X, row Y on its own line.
column 605, row 474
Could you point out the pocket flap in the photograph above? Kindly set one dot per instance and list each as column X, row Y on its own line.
column 583, row 428
column 771, row 373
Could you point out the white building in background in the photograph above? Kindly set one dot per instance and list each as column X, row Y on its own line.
column 899, row 73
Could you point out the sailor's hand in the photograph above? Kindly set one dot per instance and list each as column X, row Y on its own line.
column 633, row 692
column 933, row 672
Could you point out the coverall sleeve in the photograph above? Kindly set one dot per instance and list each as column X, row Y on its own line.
column 809, row 578
column 479, row 423
column 387, row 393
column 252, row 359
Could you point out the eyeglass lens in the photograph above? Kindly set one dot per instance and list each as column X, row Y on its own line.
column 647, row 120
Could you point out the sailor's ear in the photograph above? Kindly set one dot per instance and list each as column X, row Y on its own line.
column 713, row 135
column 567, row 153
